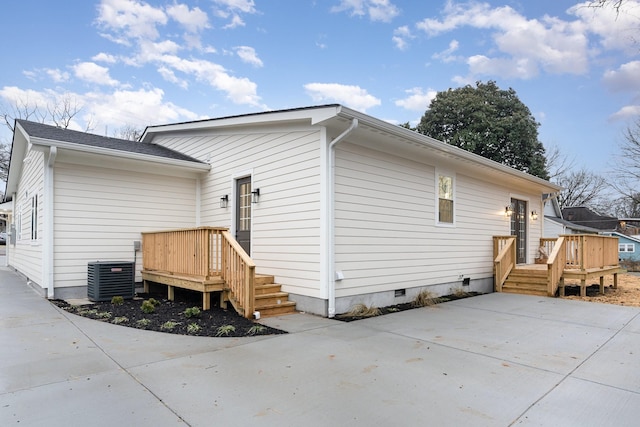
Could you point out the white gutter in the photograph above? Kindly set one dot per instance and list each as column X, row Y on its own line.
column 331, row 217
column 47, row 256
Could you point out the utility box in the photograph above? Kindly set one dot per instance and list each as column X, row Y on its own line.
column 107, row 279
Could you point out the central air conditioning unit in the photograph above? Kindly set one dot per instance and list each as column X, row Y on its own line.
column 107, row 279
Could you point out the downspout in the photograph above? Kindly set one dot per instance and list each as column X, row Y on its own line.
column 48, row 244
column 332, row 231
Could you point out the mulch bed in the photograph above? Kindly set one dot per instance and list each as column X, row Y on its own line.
column 346, row 317
column 170, row 317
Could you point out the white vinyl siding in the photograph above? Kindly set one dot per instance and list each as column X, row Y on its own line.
column 26, row 257
column 386, row 232
column 100, row 212
column 285, row 166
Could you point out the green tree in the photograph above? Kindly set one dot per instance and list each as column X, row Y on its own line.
column 487, row 121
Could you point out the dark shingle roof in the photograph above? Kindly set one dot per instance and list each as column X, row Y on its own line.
column 39, row 130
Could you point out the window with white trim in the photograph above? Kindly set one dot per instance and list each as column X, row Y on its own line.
column 626, row 247
column 445, row 199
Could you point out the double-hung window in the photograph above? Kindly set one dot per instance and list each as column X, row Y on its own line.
column 445, row 199
column 626, row 247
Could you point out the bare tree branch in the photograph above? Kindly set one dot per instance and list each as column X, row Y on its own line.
column 581, row 188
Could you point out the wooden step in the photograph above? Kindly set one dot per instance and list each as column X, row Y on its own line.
column 266, row 289
column 263, row 279
column 270, row 299
column 524, row 291
column 287, row 307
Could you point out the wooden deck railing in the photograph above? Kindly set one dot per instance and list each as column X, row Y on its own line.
column 556, row 263
column 547, row 243
column 586, row 251
column 203, row 253
column 239, row 273
column 504, row 255
column 192, row 252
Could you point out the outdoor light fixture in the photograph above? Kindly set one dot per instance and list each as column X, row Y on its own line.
column 255, row 196
column 508, row 210
column 224, row 201
column 534, row 215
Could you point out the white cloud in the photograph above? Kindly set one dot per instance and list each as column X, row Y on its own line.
column 130, row 19
column 139, row 107
column 351, row 96
column 193, row 20
column 248, row 55
column 418, row 99
column 625, row 79
column 94, row 73
column 377, row 10
column 525, row 46
column 57, row 75
column 626, row 113
column 400, row 38
column 447, row 54
column 232, row 9
column 616, row 30
column 105, row 57
column 238, row 90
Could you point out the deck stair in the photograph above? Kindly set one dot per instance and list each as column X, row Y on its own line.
column 270, row 300
column 528, row 280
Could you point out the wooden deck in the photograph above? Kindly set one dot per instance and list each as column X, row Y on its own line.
column 581, row 257
column 209, row 260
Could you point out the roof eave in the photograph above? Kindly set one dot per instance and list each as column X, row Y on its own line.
column 40, row 143
column 440, row 146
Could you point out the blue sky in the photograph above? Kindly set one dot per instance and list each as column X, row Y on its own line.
column 133, row 62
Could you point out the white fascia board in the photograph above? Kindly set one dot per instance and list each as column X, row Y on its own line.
column 314, row 115
column 43, row 144
column 19, row 150
column 442, row 147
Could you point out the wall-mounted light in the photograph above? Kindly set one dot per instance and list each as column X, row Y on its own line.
column 255, row 196
column 508, row 210
column 534, row 215
column 224, row 201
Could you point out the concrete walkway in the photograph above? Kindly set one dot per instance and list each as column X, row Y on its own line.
column 492, row 360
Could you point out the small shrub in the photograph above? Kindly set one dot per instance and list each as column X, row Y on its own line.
column 192, row 312
column 88, row 312
column 143, row 323
column 225, row 330
column 119, row 320
column 148, row 306
column 256, row 329
column 460, row 293
column 193, row 328
column 361, row 310
column 103, row 315
column 169, row 325
column 117, row 300
column 425, row 298
column 154, row 301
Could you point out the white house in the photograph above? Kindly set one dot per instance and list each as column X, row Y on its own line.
column 350, row 208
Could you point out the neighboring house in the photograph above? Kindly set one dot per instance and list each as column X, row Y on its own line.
column 555, row 225
column 351, row 209
column 628, row 247
column 585, row 216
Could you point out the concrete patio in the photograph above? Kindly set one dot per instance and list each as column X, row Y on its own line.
column 491, row 360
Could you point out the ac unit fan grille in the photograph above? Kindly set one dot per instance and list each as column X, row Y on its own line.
column 106, row 280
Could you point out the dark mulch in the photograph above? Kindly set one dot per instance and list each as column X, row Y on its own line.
column 170, row 317
column 346, row 317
